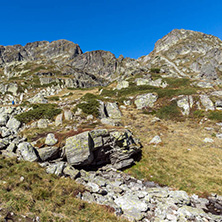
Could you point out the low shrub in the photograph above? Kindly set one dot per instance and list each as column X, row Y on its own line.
column 215, row 115
column 155, row 70
column 169, row 112
column 90, row 104
column 39, row 111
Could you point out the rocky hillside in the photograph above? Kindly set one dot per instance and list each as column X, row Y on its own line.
column 187, row 53
column 122, row 133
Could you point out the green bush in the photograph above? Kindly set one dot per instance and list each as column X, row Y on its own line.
column 53, row 98
column 39, row 111
column 155, row 70
column 169, row 112
column 215, row 115
column 90, row 104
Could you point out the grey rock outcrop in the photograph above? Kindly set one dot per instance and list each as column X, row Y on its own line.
column 145, row 100
column 100, row 147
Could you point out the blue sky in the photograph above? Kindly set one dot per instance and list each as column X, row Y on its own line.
column 126, row 27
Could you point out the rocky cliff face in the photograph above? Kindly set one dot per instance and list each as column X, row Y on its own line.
column 187, row 53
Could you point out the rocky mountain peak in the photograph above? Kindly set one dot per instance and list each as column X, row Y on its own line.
column 187, row 53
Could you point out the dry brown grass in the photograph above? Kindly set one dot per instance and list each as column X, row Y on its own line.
column 182, row 160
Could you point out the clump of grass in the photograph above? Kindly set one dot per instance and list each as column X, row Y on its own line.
column 215, row 115
column 39, row 111
column 90, row 104
column 155, row 70
column 44, row 195
column 169, row 112
column 53, row 98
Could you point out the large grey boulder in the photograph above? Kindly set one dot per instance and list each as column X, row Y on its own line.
column 27, row 152
column 100, row 147
column 77, row 150
column 145, row 100
column 13, row 124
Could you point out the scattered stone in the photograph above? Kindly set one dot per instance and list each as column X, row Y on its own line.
column 113, row 111
column 206, row 102
column 42, row 123
column 185, row 103
column 68, row 115
column 13, row 124
column 208, row 140
column 50, row 139
column 122, row 85
column 58, row 120
column 156, row 140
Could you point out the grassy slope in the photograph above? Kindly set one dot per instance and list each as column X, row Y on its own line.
column 47, row 196
column 183, row 160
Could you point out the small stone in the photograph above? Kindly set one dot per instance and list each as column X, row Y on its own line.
column 50, row 139
column 156, row 140
column 208, row 140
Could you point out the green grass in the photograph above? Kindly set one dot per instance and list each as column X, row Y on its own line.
column 39, row 111
column 90, row 104
column 44, row 195
column 169, row 112
column 215, row 115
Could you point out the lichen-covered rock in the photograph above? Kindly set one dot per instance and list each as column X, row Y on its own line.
column 58, row 120
column 206, row 102
column 42, row 123
column 38, row 99
column 3, row 143
column 185, row 103
column 132, row 206
column 56, row 168
column 27, row 152
column 3, row 119
column 48, row 153
column 102, row 146
column 71, row 172
column 77, row 150
column 145, row 100
column 68, row 115
column 122, row 84
column 113, row 111
column 50, row 139
column 13, row 124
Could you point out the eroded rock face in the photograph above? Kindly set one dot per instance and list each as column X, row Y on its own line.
column 100, row 147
